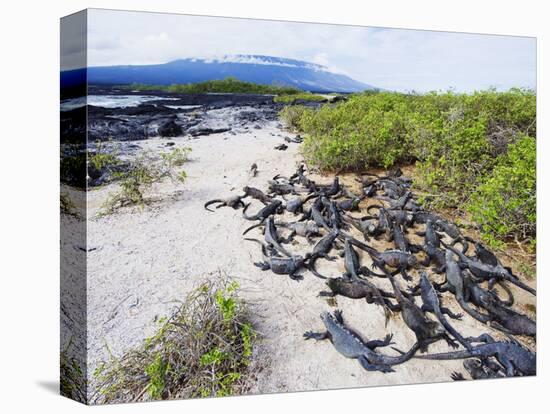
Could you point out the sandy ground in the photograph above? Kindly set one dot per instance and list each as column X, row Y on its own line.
column 143, row 260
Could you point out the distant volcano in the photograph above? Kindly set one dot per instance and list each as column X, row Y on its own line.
column 265, row 70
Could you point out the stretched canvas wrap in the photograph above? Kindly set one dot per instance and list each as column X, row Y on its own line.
column 252, row 206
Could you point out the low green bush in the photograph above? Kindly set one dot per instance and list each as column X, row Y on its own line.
column 72, row 380
column 505, row 203
column 305, row 96
column 291, row 115
column 203, row 350
column 144, row 171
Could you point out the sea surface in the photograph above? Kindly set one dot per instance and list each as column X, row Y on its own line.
column 109, row 101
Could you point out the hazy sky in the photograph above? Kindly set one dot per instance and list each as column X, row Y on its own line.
column 393, row 59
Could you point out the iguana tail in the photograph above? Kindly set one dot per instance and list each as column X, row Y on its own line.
column 254, row 217
column 311, row 267
column 392, row 360
column 521, row 285
column 452, row 330
column 264, row 250
column 473, row 313
column 445, row 355
column 252, row 227
column 217, row 200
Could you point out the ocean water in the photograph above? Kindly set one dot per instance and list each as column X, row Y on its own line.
column 109, row 101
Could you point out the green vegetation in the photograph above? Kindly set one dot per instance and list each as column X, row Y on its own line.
column 204, row 349
column 468, row 148
column 291, row 115
column 67, row 207
column 505, row 203
column 101, row 159
column 73, row 170
column 144, row 171
column 72, row 382
column 227, row 85
column 305, row 96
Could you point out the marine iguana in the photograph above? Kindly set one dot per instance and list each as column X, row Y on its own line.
column 271, row 237
column 234, row 202
column 399, row 239
column 352, row 267
column 272, row 208
column 515, row 359
column 479, row 369
column 257, row 194
column 333, row 189
column 316, row 215
column 280, row 265
column 435, row 256
column 486, row 272
column 431, row 303
column 454, row 282
column 426, row 330
column 368, row 181
column 421, row 217
column 483, row 254
column 348, row 343
column 399, row 203
column 366, row 227
column 307, row 229
column 281, row 188
column 296, row 204
column 453, row 232
column 502, row 318
column 393, row 258
column 369, row 191
column 384, row 224
column 391, row 189
column 335, row 219
column 321, row 249
column 430, row 235
column 300, row 178
column 402, row 217
column 350, row 204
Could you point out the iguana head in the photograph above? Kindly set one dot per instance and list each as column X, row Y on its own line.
column 412, row 261
column 299, row 261
column 327, row 317
column 312, row 227
column 331, row 283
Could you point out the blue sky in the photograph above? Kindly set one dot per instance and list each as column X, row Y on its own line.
column 394, row 59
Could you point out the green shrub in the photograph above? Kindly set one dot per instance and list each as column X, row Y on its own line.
column 144, row 171
column 72, row 381
column 73, row 170
column 67, row 207
column 291, row 116
column 505, row 204
column 101, row 159
column 291, row 98
column 202, row 350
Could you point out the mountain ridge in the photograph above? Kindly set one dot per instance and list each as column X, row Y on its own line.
column 249, row 68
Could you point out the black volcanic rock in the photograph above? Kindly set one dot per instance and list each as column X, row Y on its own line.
column 207, row 131
column 170, row 129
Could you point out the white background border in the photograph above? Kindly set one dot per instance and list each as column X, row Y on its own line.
column 29, row 233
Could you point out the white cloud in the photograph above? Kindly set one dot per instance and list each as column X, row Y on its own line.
column 389, row 58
